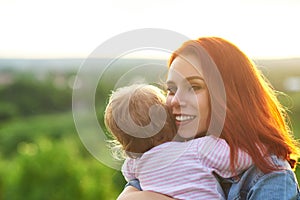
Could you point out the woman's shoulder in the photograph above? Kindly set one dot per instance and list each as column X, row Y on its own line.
column 254, row 184
column 280, row 184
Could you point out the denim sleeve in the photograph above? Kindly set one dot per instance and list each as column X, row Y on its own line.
column 134, row 183
column 281, row 185
column 253, row 184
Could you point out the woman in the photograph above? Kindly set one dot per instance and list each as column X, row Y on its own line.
column 214, row 88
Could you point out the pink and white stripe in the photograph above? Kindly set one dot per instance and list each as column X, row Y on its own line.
column 184, row 170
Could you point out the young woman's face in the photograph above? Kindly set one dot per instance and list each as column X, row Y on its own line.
column 188, row 97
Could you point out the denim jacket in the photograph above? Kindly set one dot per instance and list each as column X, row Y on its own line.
column 255, row 185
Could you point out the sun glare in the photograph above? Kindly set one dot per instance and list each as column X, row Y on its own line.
column 58, row 29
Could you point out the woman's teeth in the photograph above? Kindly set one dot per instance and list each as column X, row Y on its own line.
column 184, row 117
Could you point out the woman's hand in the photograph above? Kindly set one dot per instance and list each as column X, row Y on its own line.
column 131, row 193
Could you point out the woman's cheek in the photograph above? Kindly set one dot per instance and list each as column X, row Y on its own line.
column 168, row 101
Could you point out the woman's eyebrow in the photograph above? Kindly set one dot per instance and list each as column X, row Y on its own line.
column 194, row 77
column 190, row 78
column 170, row 82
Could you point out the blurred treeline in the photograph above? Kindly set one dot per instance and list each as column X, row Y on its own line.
column 41, row 155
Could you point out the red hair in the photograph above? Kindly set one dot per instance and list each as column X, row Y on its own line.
column 255, row 121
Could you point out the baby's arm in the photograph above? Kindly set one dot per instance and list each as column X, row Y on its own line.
column 128, row 169
column 215, row 154
column 131, row 193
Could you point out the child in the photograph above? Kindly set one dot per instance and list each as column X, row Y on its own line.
column 182, row 170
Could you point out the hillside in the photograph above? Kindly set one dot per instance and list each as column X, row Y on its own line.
column 284, row 74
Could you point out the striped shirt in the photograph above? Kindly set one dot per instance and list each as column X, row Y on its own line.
column 184, row 170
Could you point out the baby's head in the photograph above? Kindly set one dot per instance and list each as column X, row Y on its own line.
column 128, row 110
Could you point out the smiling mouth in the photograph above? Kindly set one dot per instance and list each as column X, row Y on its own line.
column 183, row 118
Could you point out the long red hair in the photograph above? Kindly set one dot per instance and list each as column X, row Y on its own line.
column 255, row 120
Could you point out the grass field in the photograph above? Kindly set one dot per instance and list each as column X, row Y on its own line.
column 43, row 158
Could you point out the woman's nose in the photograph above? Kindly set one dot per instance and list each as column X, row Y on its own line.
column 178, row 100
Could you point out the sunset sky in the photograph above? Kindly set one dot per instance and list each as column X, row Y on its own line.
column 73, row 29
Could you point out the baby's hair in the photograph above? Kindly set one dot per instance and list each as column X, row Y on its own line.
column 137, row 99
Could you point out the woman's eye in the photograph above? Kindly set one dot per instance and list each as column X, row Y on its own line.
column 171, row 90
column 196, row 87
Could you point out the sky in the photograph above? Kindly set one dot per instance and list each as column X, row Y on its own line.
column 73, row 29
